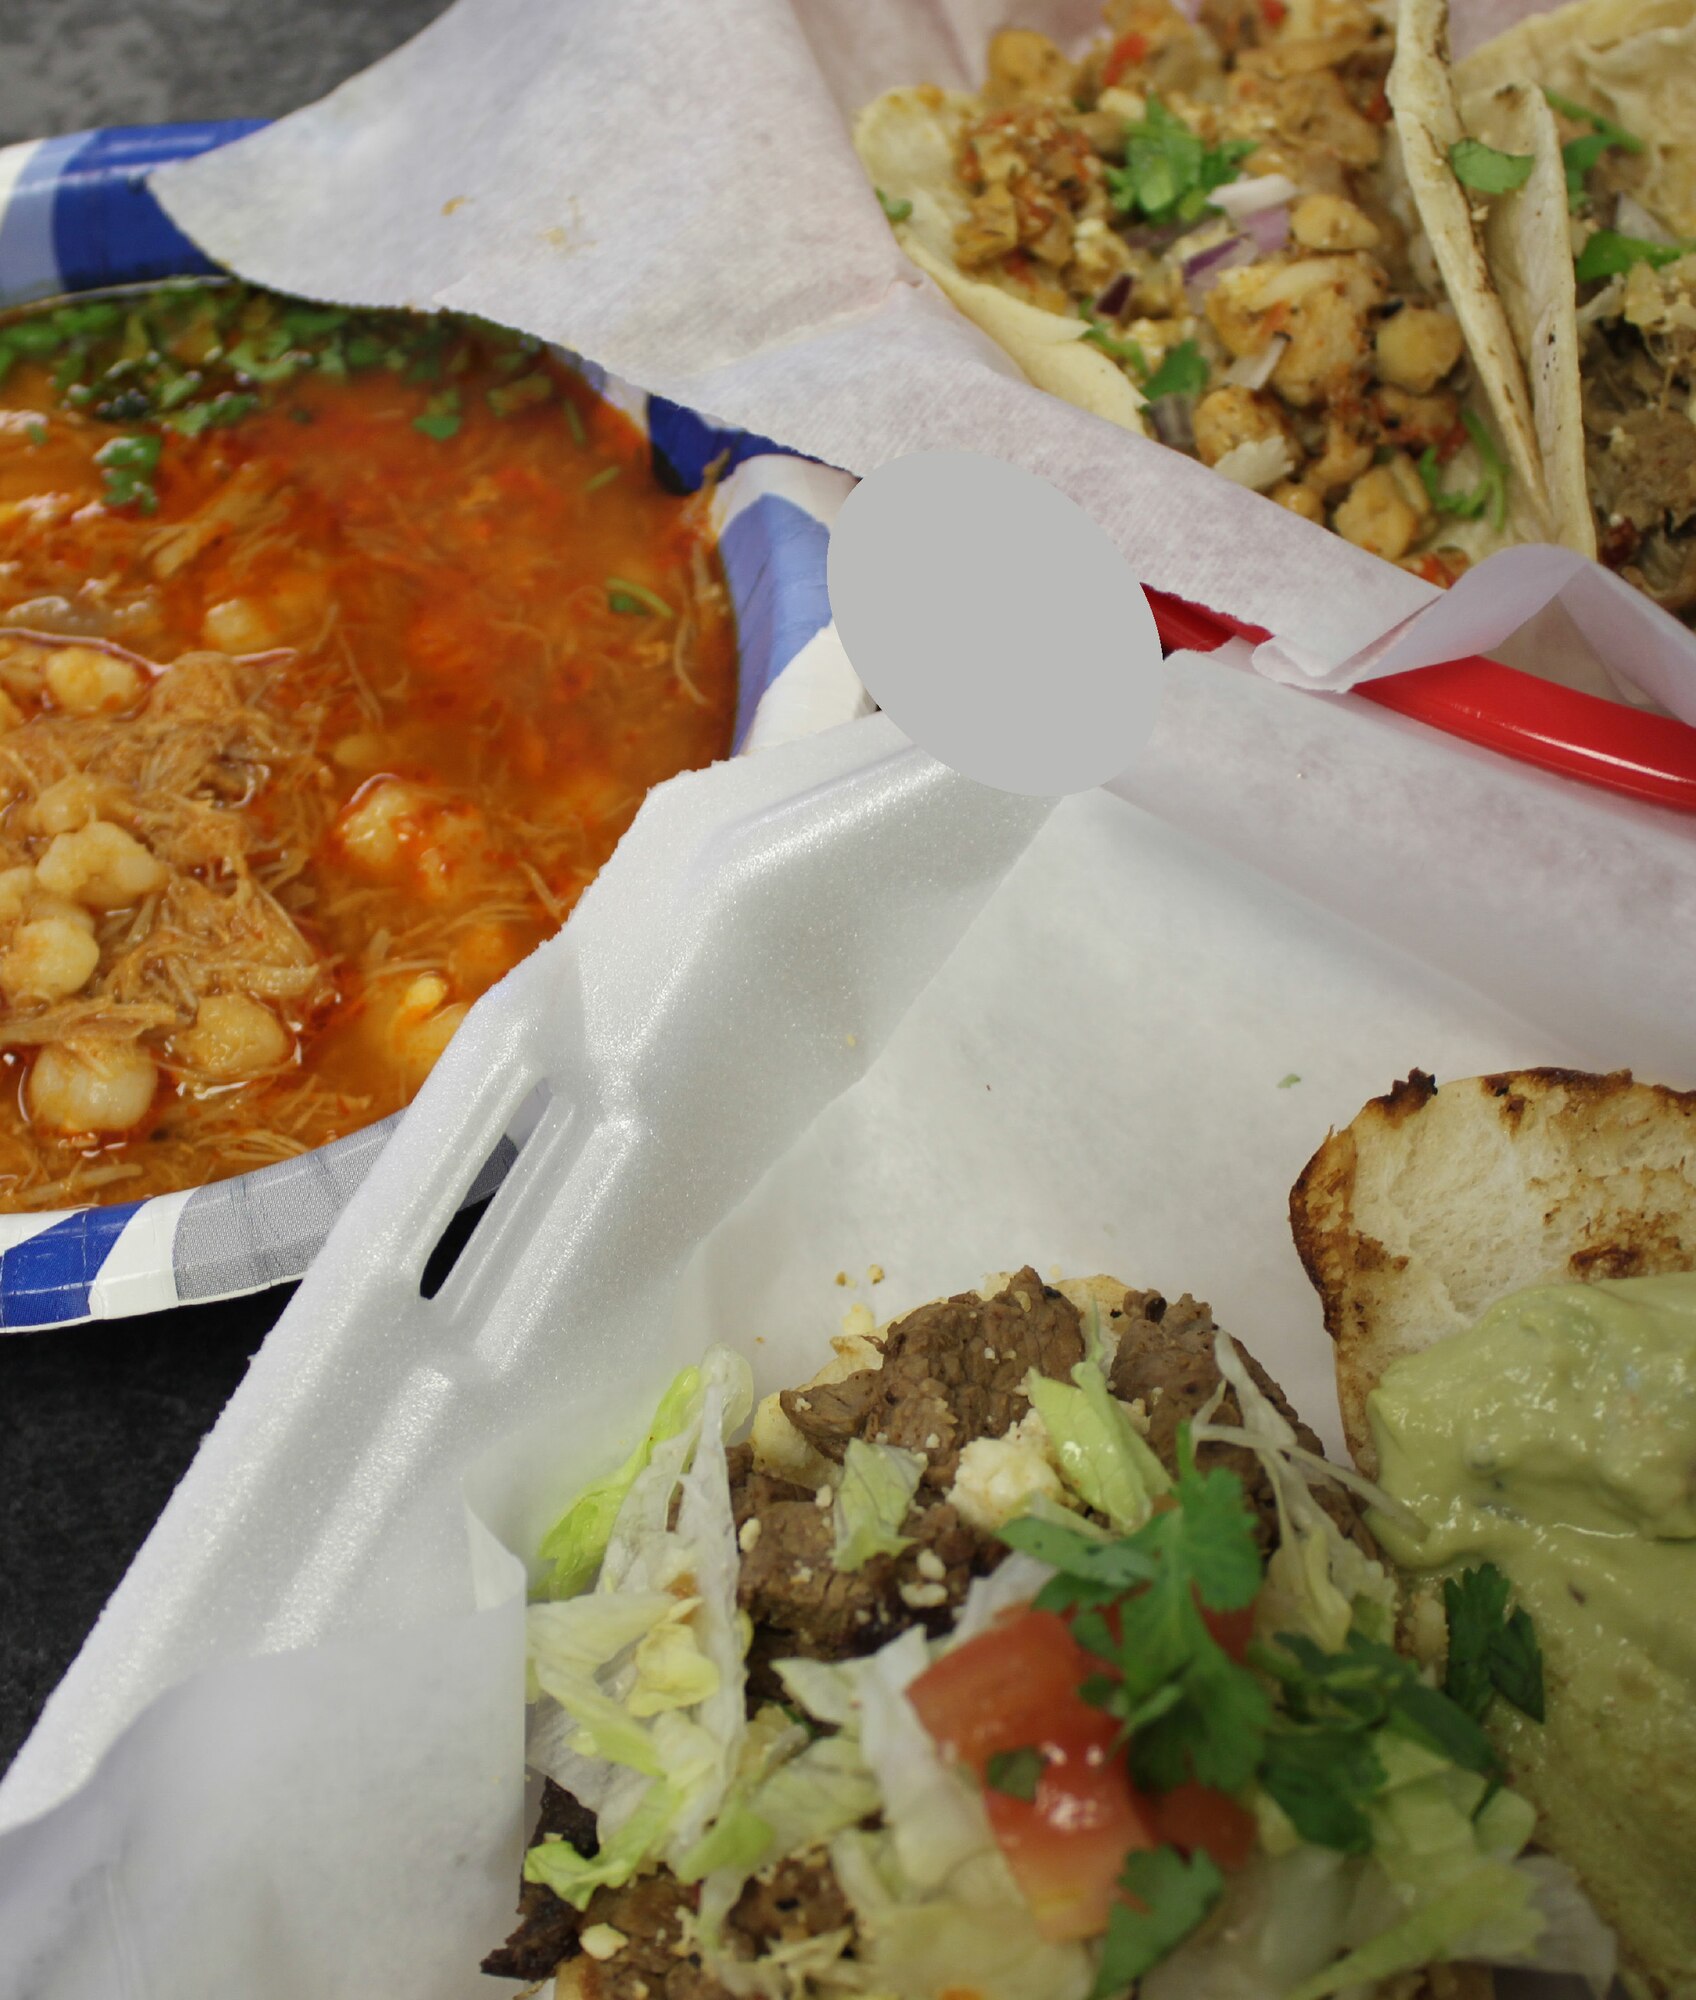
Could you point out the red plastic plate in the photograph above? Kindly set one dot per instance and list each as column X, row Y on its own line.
column 1536, row 721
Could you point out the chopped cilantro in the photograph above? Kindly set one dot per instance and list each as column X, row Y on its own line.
column 574, row 422
column 269, row 360
column 308, row 322
column 363, row 350
column 1323, row 1779
column 508, row 397
column 1188, row 1708
column 1015, row 1772
column 218, row 414
column 1169, row 172
column 1369, row 1686
column 36, row 433
column 623, row 595
column 1489, row 496
column 1491, row 1650
column 1487, row 171
column 604, row 477
column 129, row 463
column 1287, row 1082
column 1579, row 156
column 897, row 211
column 1607, row 254
column 1604, row 128
column 1182, row 373
column 1118, row 350
column 36, row 338
column 441, row 418
column 1172, row 1896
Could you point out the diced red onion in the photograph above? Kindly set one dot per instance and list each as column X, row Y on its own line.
column 1204, row 270
column 1254, row 371
column 1244, row 198
column 1631, row 218
column 1112, row 301
column 1269, row 227
column 1172, row 418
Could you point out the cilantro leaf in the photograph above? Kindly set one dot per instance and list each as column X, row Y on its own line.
column 1487, row 171
column 441, row 419
column 1080, row 1556
column 1369, row 1686
column 1219, row 1548
column 1324, row 1779
column 1491, row 1651
column 1015, row 1772
column 1182, row 373
column 1168, row 172
column 897, row 211
column 1604, row 128
column 1607, row 254
column 1489, row 496
column 1579, row 156
column 1174, row 1895
column 1117, row 350
column 129, row 463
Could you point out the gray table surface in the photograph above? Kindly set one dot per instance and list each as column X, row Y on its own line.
column 97, row 1424
column 69, row 64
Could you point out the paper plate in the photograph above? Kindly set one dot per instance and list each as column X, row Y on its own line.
column 75, row 214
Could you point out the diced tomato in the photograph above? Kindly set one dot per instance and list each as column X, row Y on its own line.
column 1195, row 1816
column 1016, row 1688
column 1067, row 1846
column 1274, row 13
column 1126, row 53
column 1003, row 1689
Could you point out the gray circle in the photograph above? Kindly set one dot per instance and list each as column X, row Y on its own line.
column 993, row 620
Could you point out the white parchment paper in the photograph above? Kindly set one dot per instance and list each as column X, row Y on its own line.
column 669, row 189
column 827, row 1007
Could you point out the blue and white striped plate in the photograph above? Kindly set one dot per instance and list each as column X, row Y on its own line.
column 75, row 214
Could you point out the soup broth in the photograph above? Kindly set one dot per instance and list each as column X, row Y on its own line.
column 336, row 652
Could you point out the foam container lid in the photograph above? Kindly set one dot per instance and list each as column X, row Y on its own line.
column 76, row 214
column 826, row 1008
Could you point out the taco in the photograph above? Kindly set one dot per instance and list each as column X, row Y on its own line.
column 1201, row 229
column 1030, row 1652
column 1607, row 275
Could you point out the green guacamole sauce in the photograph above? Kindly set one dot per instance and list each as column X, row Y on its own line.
column 1557, row 1439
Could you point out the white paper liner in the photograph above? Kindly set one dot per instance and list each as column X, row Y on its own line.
column 669, row 189
column 828, row 1007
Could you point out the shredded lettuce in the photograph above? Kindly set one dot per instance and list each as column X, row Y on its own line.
column 935, row 1816
column 803, row 1803
column 1101, row 1457
column 1013, row 1582
column 972, row 1933
column 578, row 1540
column 827, row 1690
column 574, row 1878
column 877, row 1487
column 642, row 1713
column 1317, row 1581
column 1447, row 1881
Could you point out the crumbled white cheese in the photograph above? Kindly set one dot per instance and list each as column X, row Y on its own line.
column 933, row 1441
column 748, row 1534
column 989, row 1354
column 822, row 1499
column 930, row 1565
column 602, row 1941
column 924, row 1596
column 999, row 1477
column 803, row 1572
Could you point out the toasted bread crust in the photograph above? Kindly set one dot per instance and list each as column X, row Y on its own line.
column 1431, row 1204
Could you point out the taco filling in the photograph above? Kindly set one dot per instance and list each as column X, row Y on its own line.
column 1031, row 1652
column 1200, row 229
